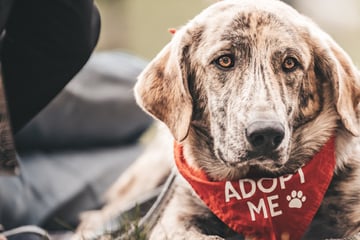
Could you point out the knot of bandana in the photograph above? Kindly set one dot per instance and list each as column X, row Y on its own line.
column 266, row 207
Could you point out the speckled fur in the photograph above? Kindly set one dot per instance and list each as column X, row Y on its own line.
column 208, row 108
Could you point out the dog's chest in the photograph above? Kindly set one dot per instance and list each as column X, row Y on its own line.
column 339, row 213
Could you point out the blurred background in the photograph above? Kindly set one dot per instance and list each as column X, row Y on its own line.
column 140, row 26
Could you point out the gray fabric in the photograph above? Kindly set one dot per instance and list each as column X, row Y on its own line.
column 48, row 182
column 96, row 108
column 77, row 146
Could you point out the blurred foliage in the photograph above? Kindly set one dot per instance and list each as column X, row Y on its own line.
column 340, row 19
column 141, row 26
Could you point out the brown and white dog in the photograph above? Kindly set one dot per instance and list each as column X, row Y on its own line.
column 253, row 89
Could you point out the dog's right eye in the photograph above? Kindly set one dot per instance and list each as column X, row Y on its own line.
column 225, row 61
column 290, row 64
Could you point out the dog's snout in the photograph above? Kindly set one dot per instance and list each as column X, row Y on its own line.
column 265, row 136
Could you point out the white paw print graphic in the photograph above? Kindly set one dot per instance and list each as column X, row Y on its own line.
column 296, row 199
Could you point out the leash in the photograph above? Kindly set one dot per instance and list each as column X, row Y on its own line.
column 139, row 218
column 147, row 223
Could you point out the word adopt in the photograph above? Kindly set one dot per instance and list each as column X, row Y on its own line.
column 271, row 189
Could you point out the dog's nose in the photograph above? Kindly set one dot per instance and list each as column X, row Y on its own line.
column 265, row 136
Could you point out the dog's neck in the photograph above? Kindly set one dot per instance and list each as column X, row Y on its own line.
column 263, row 206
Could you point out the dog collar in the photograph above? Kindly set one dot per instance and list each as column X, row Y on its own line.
column 266, row 208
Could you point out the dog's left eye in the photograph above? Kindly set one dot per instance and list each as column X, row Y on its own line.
column 290, row 64
column 225, row 61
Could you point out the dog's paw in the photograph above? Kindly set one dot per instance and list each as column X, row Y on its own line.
column 296, row 199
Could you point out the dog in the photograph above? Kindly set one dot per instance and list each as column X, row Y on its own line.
column 253, row 93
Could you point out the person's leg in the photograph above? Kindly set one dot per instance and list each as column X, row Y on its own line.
column 46, row 44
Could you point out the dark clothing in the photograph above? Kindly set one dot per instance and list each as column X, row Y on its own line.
column 79, row 143
column 44, row 45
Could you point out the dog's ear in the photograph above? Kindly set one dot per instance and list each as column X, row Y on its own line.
column 334, row 64
column 162, row 89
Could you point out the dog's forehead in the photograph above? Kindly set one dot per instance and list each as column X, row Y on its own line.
column 249, row 15
column 230, row 21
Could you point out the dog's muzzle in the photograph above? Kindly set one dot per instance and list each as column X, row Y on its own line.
column 265, row 136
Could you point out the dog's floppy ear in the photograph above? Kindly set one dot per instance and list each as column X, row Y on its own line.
column 162, row 89
column 332, row 61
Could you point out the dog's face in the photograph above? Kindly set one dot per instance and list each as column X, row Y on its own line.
column 248, row 85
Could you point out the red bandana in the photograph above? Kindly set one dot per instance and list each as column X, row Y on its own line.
column 266, row 207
